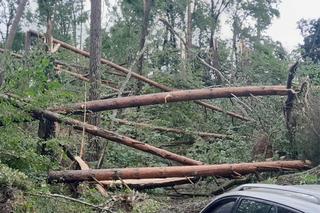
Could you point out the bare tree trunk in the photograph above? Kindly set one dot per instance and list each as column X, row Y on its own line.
column 224, row 170
column 15, row 24
column 10, row 37
column 95, row 74
column 27, row 42
column 49, row 36
column 81, row 25
column 174, row 96
column 189, row 30
column 186, row 49
column 144, row 33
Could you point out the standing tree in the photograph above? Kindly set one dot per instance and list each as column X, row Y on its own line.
column 64, row 16
column 15, row 24
column 310, row 30
column 95, row 74
column 144, row 33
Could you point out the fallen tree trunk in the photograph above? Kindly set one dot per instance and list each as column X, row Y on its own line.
column 11, row 53
column 174, row 130
column 140, row 77
column 108, row 83
column 209, row 106
column 174, row 96
column 97, row 131
column 83, row 78
column 147, row 183
column 223, row 170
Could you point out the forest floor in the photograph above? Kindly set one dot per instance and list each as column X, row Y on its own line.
column 185, row 204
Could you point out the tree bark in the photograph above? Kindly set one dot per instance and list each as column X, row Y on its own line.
column 174, row 130
column 95, row 74
column 174, row 96
column 142, row 78
column 15, row 24
column 224, row 170
column 27, row 42
column 189, row 30
column 94, row 130
column 97, row 131
column 144, row 33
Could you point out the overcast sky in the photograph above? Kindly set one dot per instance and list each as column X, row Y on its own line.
column 284, row 29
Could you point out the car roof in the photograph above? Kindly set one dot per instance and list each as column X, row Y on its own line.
column 305, row 198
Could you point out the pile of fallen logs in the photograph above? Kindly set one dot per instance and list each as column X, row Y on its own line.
column 147, row 177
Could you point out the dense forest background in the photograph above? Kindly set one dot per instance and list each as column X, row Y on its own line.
column 177, row 43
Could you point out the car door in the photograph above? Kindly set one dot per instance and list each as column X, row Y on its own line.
column 222, row 205
column 253, row 205
column 240, row 204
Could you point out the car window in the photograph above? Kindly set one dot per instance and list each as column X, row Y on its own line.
column 284, row 210
column 221, row 206
column 252, row 206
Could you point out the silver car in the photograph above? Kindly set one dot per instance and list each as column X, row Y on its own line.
column 267, row 198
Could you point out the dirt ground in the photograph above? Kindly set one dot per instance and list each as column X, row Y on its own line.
column 185, row 204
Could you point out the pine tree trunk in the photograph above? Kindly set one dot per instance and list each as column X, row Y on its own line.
column 223, row 170
column 144, row 33
column 95, row 74
column 174, row 96
column 15, row 24
column 189, row 30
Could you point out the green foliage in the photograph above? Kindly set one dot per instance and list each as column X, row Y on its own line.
column 36, row 80
column 222, row 151
column 306, row 115
column 147, row 206
column 264, row 65
column 310, row 30
column 309, row 179
column 41, row 204
column 65, row 15
column 13, row 178
column 18, row 150
column 311, row 71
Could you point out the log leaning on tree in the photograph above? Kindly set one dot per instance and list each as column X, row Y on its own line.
column 97, row 131
column 173, row 130
column 140, row 77
column 155, row 84
column 112, row 136
column 174, row 96
column 108, row 84
column 223, row 170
